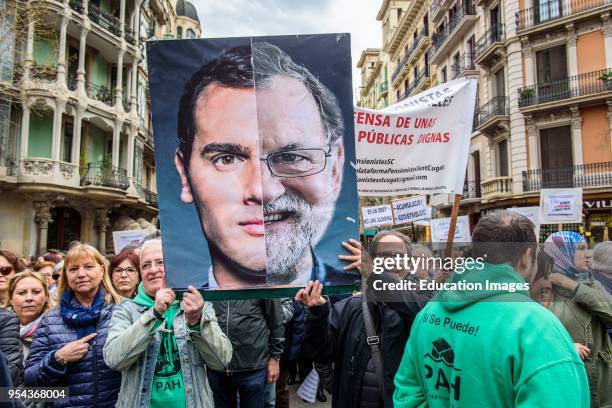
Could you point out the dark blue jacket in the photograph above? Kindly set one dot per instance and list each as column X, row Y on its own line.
column 294, row 333
column 90, row 382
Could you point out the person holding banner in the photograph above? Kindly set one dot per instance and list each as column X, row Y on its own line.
column 261, row 157
column 335, row 334
column 491, row 347
column 584, row 307
column 161, row 346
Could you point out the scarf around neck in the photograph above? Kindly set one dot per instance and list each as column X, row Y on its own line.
column 26, row 332
column 81, row 318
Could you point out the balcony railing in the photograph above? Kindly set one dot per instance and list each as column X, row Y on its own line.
column 104, row 175
column 46, row 72
column 583, row 175
column 464, row 63
column 497, row 186
column 471, row 189
column 103, row 19
column 147, row 195
column 130, row 36
column 453, row 22
column 410, row 52
column 100, row 93
column 77, row 5
column 494, row 34
column 497, row 106
column 417, row 81
column 545, row 11
column 570, row 87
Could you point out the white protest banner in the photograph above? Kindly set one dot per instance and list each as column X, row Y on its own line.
column 419, row 145
column 375, row 216
column 440, row 226
column 407, row 210
column 561, row 205
column 425, row 222
column 308, row 389
column 532, row 213
column 121, row 239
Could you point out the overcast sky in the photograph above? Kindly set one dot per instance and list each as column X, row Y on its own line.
column 233, row 18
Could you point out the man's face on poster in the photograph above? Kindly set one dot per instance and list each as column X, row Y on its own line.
column 264, row 175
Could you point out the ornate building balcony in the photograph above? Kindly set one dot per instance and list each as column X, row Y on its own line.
column 497, row 187
column 582, row 88
column 103, row 19
column 104, row 175
column 444, row 40
column 585, row 175
column 490, row 47
column 490, row 115
column 36, row 170
column 147, row 195
column 464, row 66
column 546, row 14
column 99, row 93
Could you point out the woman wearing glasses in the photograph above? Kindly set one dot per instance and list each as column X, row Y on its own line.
column 10, row 263
column 125, row 273
column 67, row 348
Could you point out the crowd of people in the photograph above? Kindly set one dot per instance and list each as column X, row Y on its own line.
column 112, row 333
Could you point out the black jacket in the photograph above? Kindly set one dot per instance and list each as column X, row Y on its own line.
column 336, row 334
column 255, row 328
column 10, row 345
column 294, row 333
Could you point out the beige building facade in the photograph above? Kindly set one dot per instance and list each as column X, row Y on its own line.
column 543, row 115
column 76, row 144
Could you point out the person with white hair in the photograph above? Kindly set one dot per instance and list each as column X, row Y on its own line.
column 162, row 346
column 602, row 265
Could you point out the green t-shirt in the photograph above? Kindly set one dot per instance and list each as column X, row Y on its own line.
column 167, row 390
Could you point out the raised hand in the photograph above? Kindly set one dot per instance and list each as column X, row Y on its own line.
column 163, row 299
column 354, row 247
column 192, row 304
column 310, row 296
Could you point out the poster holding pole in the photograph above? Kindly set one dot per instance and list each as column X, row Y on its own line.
column 452, row 227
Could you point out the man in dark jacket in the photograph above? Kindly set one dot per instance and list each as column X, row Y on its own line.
column 294, row 335
column 255, row 328
column 10, row 345
column 337, row 334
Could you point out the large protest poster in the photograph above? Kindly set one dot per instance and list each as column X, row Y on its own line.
column 419, row 145
column 253, row 140
column 561, row 205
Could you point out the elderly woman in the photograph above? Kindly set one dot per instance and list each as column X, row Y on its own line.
column 10, row 263
column 584, row 307
column 29, row 299
column 602, row 264
column 67, row 348
column 125, row 273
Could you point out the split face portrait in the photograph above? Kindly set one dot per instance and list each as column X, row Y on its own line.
column 260, row 148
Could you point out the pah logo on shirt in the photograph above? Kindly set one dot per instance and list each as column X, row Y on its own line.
column 443, row 372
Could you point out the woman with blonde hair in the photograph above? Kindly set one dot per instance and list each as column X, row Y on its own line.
column 29, row 299
column 67, row 349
